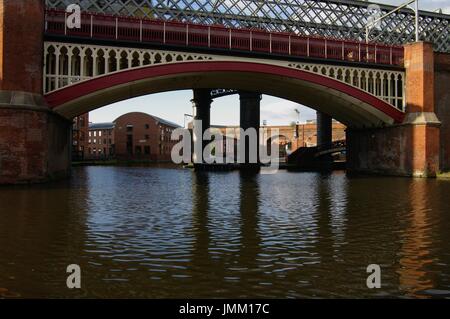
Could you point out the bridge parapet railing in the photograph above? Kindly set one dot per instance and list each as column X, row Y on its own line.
column 107, row 27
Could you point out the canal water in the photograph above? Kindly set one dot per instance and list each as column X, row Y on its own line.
column 172, row 233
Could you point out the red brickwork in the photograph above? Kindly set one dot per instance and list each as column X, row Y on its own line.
column 139, row 136
column 34, row 143
column 34, row 146
column 300, row 135
column 80, row 131
column 412, row 148
column 419, row 63
column 442, row 104
column 21, row 45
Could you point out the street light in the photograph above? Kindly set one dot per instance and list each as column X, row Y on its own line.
column 298, row 113
column 371, row 24
column 296, row 133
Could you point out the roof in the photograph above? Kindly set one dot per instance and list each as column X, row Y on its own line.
column 157, row 119
column 101, row 126
column 165, row 122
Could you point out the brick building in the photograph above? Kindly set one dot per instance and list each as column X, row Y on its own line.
column 291, row 137
column 80, row 129
column 140, row 136
column 101, row 144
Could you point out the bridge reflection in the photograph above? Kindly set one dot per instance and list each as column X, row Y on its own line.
column 140, row 232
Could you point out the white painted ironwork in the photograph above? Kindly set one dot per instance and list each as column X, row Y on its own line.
column 70, row 63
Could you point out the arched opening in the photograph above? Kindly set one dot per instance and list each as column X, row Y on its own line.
column 343, row 102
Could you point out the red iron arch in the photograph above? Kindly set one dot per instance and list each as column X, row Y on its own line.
column 344, row 102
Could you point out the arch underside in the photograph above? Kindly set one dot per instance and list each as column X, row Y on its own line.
column 349, row 105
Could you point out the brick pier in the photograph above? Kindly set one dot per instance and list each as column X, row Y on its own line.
column 34, row 142
column 413, row 147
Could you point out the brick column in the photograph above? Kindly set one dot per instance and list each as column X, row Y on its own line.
column 442, row 105
column 34, row 142
column 411, row 148
column 421, row 120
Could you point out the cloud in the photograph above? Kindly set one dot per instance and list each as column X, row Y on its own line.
column 282, row 112
column 429, row 5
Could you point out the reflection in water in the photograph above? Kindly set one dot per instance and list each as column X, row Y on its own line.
column 249, row 215
column 201, row 264
column 39, row 235
column 155, row 232
column 250, row 247
column 416, row 243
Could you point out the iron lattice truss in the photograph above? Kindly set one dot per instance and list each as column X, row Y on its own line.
column 216, row 93
column 342, row 19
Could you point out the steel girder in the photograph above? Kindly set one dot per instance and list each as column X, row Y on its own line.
column 342, row 19
column 217, row 93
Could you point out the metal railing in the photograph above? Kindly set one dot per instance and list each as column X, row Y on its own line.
column 108, row 27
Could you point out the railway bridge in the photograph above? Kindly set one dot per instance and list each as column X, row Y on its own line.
column 390, row 93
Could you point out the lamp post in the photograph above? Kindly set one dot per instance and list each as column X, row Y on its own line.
column 296, row 132
column 187, row 115
column 298, row 114
column 371, row 24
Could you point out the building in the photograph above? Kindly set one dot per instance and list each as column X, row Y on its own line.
column 79, row 136
column 289, row 137
column 143, row 137
column 140, row 136
column 292, row 137
column 101, row 144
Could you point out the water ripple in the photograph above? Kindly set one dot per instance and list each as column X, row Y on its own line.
column 166, row 232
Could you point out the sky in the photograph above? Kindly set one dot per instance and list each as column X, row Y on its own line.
column 225, row 111
column 429, row 5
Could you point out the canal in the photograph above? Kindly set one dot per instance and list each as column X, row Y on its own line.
column 164, row 232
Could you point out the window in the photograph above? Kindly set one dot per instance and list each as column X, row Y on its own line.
column 100, row 133
column 104, row 141
column 130, row 144
column 129, row 128
column 147, row 137
column 147, row 126
column 147, row 150
column 95, row 133
column 138, row 150
column 90, row 133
